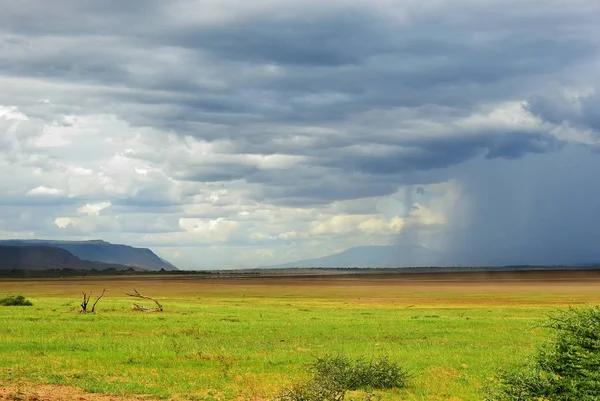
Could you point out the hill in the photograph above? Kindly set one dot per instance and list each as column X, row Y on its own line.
column 418, row 256
column 41, row 257
column 102, row 251
column 374, row 256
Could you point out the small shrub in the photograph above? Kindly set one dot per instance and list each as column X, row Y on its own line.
column 335, row 374
column 15, row 300
column 315, row 389
column 566, row 368
column 361, row 374
column 522, row 384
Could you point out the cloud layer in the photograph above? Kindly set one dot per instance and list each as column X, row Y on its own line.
column 231, row 134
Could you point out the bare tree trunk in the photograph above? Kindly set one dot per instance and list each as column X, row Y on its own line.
column 86, row 301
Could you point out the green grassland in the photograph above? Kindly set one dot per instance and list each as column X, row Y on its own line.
column 241, row 339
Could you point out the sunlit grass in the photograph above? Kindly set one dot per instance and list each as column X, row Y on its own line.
column 236, row 339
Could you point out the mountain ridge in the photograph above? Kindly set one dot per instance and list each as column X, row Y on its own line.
column 373, row 256
column 40, row 257
column 101, row 251
column 407, row 255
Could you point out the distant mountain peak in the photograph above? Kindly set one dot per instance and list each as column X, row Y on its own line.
column 97, row 250
column 374, row 256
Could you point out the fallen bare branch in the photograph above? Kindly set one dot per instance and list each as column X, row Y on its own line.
column 142, row 308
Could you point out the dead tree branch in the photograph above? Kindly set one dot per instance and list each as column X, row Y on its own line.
column 97, row 299
column 86, row 300
column 142, row 308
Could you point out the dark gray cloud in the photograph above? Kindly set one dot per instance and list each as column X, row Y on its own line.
column 316, row 179
column 579, row 110
column 76, row 18
column 314, row 38
column 319, row 189
column 367, row 58
column 444, row 152
column 515, row 145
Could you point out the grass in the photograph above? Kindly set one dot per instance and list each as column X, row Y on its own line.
column 245, row 339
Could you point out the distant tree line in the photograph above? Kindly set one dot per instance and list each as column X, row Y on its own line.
column 17, row 273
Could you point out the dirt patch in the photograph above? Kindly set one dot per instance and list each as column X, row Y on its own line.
column 54, row 393
column 559, row 287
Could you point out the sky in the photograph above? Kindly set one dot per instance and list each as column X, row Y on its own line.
column 235, row 133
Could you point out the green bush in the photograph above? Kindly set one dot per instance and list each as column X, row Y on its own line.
column 567, row 368
column 333, row 375
column 15, row 300
column 522, row 384
column 361, row 374
column 315, row 389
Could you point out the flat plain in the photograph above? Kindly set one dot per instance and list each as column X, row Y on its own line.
column 245, row 338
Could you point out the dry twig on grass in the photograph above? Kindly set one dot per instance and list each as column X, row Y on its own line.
column 142, row 308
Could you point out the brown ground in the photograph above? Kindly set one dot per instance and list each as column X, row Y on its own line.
column 53, row 393
column 477, row 288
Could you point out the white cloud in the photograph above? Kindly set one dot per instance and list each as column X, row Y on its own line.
column 93, row 208
column 45, row 191
column 346, row 224
column 12, row 113
column 63, row 222
column 207, row 230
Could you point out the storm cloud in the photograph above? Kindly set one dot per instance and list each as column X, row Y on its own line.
column 254, row 133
